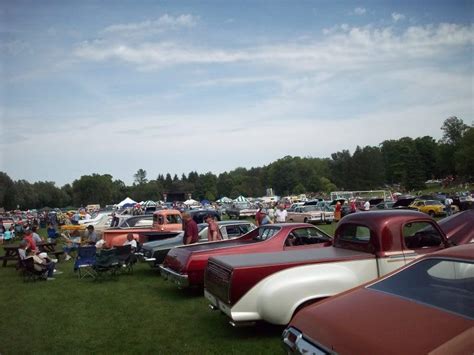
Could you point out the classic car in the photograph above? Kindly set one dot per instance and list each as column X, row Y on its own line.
column 165, row 224
column 241, row 210
column 384, row 205
column 426, row 307
column 431, row 207
column 185, row 265
column 311, row 214
column 154, row 252
column 272, row 286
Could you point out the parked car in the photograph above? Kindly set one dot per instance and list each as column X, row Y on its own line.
column 311, row 214
column 272, row 286
column 155, row 252
column 7, row 222
column 241, row 210
column 164, row 224
column 384, row 205
column 200, row 214
column 426, row 307
column 431, row 207
column 185, row 265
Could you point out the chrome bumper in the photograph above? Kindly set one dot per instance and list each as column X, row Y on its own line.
column 171, row 275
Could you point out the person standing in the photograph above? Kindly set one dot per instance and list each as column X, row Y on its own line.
column 213, row 233
column 448, row 202
column 337, row 211
column 281, row 214
column 367, row 205
column 191, row 235
column 266, row 219
column 259, row 216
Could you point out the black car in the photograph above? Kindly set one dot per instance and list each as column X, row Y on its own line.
column 155, row 252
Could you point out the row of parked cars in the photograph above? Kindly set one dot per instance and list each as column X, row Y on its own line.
column 409, row 269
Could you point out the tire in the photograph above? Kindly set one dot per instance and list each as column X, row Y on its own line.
column 305, row 220
column 431, row 213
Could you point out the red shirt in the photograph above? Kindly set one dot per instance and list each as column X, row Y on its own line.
column 31, row 242
column 191, row 229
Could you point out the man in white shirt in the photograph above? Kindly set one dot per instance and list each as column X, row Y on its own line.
column 131, row 241
column 281, row 214
column 366, row 205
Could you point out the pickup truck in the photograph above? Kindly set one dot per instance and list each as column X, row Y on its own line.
column 273, row 286
column 185, row 265
column 166, row 224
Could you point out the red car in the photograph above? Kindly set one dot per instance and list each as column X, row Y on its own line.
column 185, row 265
column 425, row 307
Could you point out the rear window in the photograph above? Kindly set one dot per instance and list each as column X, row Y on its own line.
column 441, row 283
column 266, row 232
column 355, row 233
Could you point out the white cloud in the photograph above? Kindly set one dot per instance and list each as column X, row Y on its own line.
column 360, row 11
column 348, row 47
column 397, row 17
column 163, row 23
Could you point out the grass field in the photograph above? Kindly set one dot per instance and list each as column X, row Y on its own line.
column 137, row 313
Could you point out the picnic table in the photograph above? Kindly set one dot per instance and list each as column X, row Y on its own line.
column 11, row 251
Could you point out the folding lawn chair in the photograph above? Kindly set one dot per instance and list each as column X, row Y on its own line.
column 126, row 257
column 29, row 272
column 107, row 263
column 85, row 261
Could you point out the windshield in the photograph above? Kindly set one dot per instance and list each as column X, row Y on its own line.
column 441, row 283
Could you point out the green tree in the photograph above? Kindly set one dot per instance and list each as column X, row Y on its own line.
column 464, row 156
column 7, row 192
column 140, row 177
column 93, row 189
column 453, row 130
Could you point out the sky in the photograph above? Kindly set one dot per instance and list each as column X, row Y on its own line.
column 110, row 87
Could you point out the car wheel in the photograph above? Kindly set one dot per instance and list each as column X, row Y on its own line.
column 431, row 213
column 305, row 220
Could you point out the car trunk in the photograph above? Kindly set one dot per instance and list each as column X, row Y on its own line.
column 459, row 228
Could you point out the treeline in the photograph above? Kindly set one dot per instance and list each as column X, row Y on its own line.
column 406, row 162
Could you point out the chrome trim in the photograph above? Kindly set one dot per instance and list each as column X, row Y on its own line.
column 179, row 279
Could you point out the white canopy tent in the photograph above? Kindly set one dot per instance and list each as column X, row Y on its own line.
column 191, row 202
column 126, row 202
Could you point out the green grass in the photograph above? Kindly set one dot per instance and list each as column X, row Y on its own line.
column 137, row 313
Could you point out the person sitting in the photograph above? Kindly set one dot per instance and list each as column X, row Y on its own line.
column 36, row 236
column 40, row 263
column 73, row 242
column 92, row 237
column 31, row 243
column 131, row 241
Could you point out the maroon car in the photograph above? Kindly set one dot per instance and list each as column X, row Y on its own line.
column 425, row 307
column 185, row 265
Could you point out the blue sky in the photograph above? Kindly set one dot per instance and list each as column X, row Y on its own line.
column 179, row 86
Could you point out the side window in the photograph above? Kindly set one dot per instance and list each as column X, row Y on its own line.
column 305, row 236
column 265, row 233
column 355, row 233
column 232, row 231
column 244, row 228
column 421, row 235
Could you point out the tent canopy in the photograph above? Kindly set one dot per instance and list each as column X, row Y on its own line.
column 224, row 200
column 241, row 199
column 191, row 202
column 148, row 203
column 127, row 202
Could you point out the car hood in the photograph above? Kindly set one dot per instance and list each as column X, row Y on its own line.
column 158, row 244
column 459, row 228
column 379, row 324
